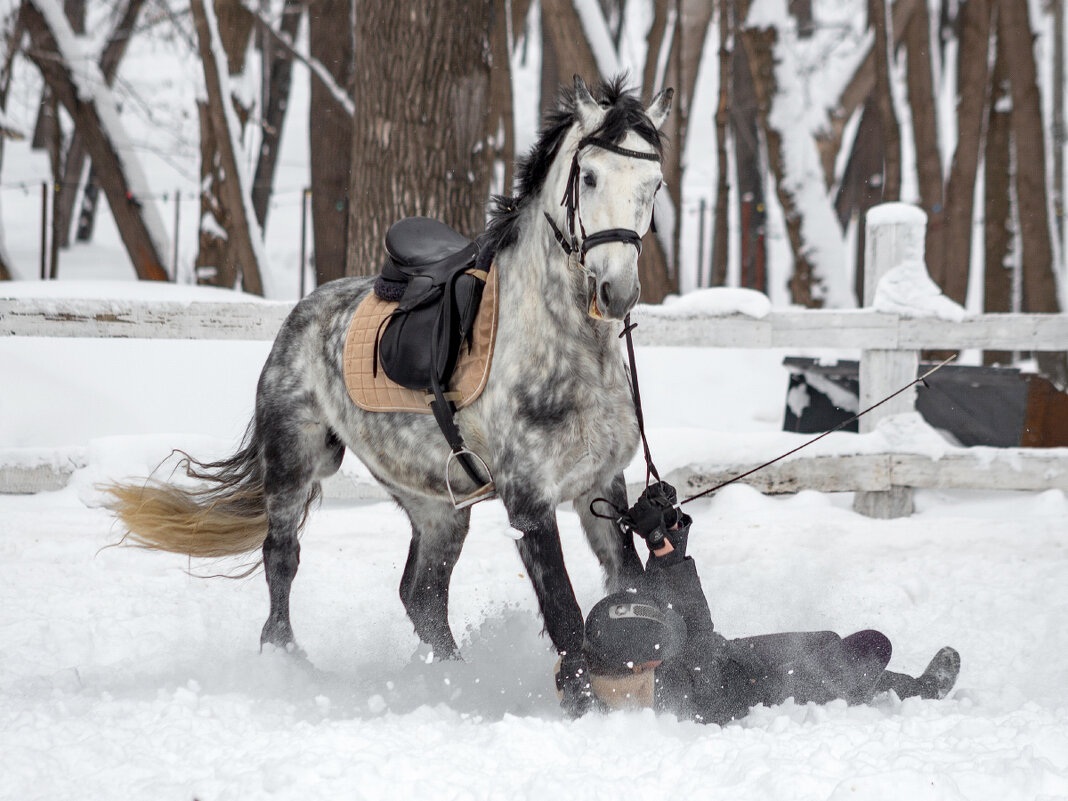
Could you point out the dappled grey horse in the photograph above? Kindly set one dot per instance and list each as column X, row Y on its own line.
column 555, row 422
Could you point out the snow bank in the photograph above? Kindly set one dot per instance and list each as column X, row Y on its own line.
column 909, row 290
column 718, row 302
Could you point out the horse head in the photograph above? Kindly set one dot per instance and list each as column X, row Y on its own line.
column 608, row 176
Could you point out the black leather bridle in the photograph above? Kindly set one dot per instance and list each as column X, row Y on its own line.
column 571, row 244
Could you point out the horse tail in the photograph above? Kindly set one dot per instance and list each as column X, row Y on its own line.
column 224, row 514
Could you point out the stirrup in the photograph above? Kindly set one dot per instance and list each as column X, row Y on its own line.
column 486, row 492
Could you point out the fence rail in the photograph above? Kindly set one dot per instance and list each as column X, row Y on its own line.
column 657, row 326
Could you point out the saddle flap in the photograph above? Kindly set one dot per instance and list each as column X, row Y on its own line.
column 421, row 290
column 422, row 241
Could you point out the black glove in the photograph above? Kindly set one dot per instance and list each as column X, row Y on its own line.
column 655, row 514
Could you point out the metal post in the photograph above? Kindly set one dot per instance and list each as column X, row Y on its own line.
column 44, row 231
column 177, row 209
column 53, row 268
column 303, row 235
column 701, row 246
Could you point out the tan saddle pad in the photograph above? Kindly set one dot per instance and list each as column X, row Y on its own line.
column 377, row 393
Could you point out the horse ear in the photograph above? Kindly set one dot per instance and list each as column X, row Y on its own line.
column 586, row 106
column 660, row 107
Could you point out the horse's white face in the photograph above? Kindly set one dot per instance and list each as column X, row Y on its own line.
column 615, row 191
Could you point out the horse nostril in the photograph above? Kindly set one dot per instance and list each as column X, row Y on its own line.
column 604, row 293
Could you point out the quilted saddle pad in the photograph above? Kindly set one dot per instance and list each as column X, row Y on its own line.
column 377, row 393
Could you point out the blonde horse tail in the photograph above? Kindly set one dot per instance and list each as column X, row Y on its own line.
column 224, row 514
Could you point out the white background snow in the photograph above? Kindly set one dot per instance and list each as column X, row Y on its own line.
column 124, row 677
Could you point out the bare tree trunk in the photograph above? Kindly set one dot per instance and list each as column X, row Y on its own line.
column 1058, row 121
column 747, row 158
column 720, row 232
column 501, row 119
column 972, row 82
column 861, row 186
column 997, row 277
column 658, row 277
column 561, row 26
column 687, row 40
column 77, row 155
column 331, row 133
column 857, row 91
column 925, row 130
column 1039, row 283
column 280, row 71
column 241, row 236
column 213, row 264
column 216, row 263
column 884, row 102
column 125, row 207
column 12, row 29
column 419, row 144
column 760, row 44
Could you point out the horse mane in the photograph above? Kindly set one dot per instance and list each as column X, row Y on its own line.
column 625, row 113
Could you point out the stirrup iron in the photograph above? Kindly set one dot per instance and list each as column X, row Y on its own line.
column 486, row 492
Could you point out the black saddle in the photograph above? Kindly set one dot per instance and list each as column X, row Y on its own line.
column 431, row 276
column 436, row 277
column 421, row 243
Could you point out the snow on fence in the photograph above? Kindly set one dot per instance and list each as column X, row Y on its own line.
column 890, row 343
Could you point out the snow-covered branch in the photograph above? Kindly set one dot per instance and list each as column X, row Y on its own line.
column 321, row 73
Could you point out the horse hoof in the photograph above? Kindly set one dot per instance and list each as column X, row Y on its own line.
column 429, row 653
column 576, row 694
column 278, row 635
column 289, row 649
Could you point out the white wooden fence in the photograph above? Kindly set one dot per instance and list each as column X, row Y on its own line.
column 890, row 345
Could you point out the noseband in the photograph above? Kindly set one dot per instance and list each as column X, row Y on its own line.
column 571, row 245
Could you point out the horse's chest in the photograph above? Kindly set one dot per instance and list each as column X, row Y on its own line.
column 573, row 419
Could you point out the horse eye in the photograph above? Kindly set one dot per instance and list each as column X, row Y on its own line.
column 589, row 179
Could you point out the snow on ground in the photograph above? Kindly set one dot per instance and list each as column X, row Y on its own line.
column 123, row 676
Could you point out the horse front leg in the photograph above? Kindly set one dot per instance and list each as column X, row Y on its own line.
column 438, row 534
column 543, row 559
column 614, row 549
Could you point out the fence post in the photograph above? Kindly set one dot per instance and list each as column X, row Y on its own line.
column 894, row 233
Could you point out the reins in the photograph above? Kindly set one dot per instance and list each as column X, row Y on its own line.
column 651, row 468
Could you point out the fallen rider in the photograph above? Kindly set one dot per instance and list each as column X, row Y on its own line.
column 655, row 645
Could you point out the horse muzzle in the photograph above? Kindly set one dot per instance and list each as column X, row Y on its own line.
column 609, row 302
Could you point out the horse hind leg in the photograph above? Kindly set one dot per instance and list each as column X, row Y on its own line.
column 438, row 534
column 296, row 455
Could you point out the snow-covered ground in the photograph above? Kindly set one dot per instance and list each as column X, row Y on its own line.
column 122, row 676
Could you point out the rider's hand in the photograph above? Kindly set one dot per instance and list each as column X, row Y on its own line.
column 654, row 515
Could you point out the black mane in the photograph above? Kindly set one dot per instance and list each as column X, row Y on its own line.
column 625, row 114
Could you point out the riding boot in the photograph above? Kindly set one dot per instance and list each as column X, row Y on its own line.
column 934, row 683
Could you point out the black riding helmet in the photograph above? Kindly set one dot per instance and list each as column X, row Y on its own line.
column 627, row 629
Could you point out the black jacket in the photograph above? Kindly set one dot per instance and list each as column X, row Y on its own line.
column 703, row 683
